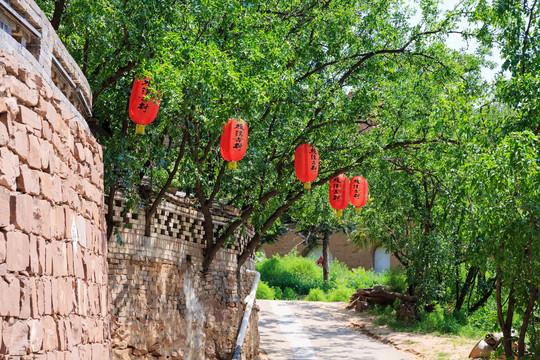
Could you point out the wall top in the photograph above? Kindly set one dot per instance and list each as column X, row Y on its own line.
column 26, row 33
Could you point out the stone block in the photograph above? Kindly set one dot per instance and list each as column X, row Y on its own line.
column 65, row 292
column 75, row 331
column 10, row 63
column 57, row 189
column 11, row 295
column 5, row 207
column 9, row 169
column 50, row 335
column 80, row 154
column 60, row 223
column 61, row 127
column 4, row 135
column 16, row 337
column 22, row 92
column 54, row 295
column 18, row 251
column 28, row 181
column 36, row 335
column 46, row 219
column 3, row 247
column 46, row 131
column 46, row 186
column 29, row 117
column 25, row 311
column 34, row 267
column 34, row 152
column 47, row 151
column 47, row 297
column 24, row 214
column 19, row 144
column 59, row 259
column 13, row 108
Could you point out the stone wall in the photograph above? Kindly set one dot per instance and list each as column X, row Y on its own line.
column 162, row 306
column 53, row 268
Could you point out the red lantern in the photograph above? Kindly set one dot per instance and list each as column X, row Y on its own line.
column 233, row 142
column 306, row 164
column 359, row 192
column 339, row 193
column 140, row 111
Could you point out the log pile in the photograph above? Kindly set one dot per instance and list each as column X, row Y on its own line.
column 377, row 295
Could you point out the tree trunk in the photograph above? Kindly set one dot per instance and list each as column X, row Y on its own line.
column 110, row 211
column 325, row 265
column 58, row 11
column 526, row 320
column 506, row 325
column 460, row 297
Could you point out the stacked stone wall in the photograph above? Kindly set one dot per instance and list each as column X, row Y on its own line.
column 147, row 278
column 53, row 269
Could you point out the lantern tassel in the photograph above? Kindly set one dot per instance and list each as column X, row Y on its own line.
column 307, row 185
column 358, row 209
column 139, row 129
column 232, row 165
column 339, row 213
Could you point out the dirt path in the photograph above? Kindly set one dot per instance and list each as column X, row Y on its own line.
column 416, row 345
column 304, row 330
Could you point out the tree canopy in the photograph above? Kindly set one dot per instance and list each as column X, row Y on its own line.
column 452, row 161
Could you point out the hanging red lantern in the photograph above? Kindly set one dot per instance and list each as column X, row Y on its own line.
column 233, row 142
column 359, row 192
column 339, row 193
column 140, row 111
column 306, row 164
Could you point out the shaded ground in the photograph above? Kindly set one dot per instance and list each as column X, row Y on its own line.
column 412, row 346
column 418, row 346
column 303, row 330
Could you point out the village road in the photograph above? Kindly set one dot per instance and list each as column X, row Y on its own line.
column 304, row 330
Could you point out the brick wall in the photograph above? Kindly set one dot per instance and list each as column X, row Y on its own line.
column 147, row 278
column 339, row 246
column 53, row 268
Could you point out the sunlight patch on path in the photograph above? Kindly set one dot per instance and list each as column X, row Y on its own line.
column 293, row 330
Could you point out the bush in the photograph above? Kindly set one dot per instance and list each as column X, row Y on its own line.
column 289, row 294
column 316, row 295
column 264, row 291
column 278, row 294
column 396, row 279
column 340, row 294
column 291, row 271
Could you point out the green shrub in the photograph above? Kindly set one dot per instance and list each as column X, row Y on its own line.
column 396, row 279
column 316, row 295
column 289, row 294
column 295, row 272
column 278, row 294
column 361, row 278
column 264, row 291
column 340, row 294
column 339, row 273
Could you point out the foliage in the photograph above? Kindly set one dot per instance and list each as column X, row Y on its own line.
column 264, row 291
column 289, row 294
column 291, row 271
column 315, row 294
column 340, row 293
column 278, row 293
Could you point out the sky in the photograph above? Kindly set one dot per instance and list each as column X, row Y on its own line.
column 456, row 42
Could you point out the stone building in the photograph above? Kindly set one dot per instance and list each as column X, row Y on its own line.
column 53, row 253
column 340, row 248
